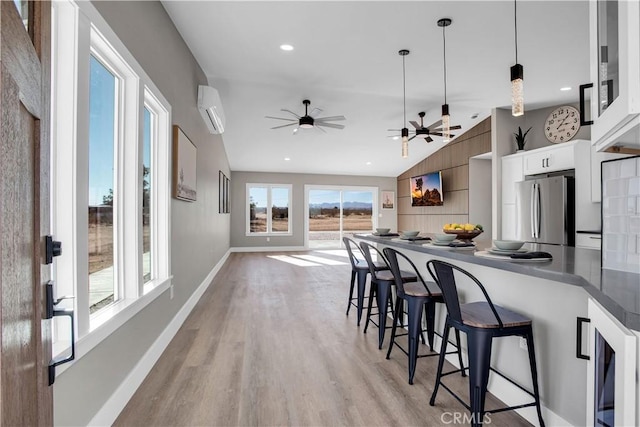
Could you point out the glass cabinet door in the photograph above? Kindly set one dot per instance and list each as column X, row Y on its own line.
column 608, row 54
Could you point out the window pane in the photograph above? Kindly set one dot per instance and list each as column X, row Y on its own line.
column 102, row 102
column 258, row 210
column 146, row 196
column 279, row 210
column 357, row 207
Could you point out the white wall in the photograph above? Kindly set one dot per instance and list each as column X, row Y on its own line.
column 387, row 218
column 200, row 236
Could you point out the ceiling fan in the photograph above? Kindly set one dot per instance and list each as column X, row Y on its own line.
column 309, row 120
column 434, row 129
column 421, row 131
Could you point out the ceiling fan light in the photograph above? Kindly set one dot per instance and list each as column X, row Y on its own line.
column 306, row 126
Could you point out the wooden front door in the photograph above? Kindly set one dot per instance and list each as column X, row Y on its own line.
column 25, row 344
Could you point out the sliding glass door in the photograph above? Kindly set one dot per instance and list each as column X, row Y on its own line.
column 334, row 212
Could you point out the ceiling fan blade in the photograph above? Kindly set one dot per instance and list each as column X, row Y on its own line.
column 429, row 139
column 412, row 137
column 290, row 112
column 435, row 124
column 332, row 118
column 436, row 133
column 280, row 118
column 284, row 126
column 319, row 128
column 330, row 125
column 415, row 124
column 315, row 112
column 455, row 127
column 394, row 130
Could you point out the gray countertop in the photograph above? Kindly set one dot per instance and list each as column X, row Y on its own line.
column 617, row 291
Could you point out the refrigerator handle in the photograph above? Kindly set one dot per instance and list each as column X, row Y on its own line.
column 538, row 211
column 532, row 216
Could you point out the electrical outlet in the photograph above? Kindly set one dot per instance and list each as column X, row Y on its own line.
column 268, row 239
column 523, row 343
column 171, row 292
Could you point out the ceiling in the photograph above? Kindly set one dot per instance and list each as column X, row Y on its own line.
column 345, row 60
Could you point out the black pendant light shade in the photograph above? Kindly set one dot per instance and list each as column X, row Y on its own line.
column 517, row 75
column 405, row 130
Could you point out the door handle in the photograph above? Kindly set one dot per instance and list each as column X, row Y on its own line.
column 583, row 115
column 580, row 321
column 52, row 312
column 53, row 248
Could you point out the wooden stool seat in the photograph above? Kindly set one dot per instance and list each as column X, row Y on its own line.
column 387, row 275
column 479, row 315
column 418, row 290
column 361, row 264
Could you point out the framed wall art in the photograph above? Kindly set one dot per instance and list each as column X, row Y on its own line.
column 184, row 166
column 223, row 193
column 388, row 200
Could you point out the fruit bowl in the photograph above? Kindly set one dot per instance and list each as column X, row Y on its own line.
column 464, row 234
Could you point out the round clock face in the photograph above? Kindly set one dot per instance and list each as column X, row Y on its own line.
column 562, row 124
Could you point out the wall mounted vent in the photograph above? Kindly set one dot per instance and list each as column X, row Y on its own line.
column 210, row 108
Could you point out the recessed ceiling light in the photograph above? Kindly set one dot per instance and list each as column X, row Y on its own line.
column 286, row 47
column 286, row 159
column 395, row 138
column 368, row 163
column 566, row 88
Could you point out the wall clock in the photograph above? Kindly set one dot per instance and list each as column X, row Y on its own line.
column 562, row 124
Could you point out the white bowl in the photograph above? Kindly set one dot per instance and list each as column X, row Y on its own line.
column 382, row 230
column 409, row 234
column 508, row 245
column 442, row 237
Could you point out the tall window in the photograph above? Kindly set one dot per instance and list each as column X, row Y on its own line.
column 268, row 209
column 102, row 143
column 110, row 193
column 146, row 195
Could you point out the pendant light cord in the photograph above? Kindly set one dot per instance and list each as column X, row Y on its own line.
column 404, row 94
column 444, row 49
column 515, row 22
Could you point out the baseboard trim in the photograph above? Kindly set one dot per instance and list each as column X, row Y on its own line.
column 108, row 413
column 269, row 249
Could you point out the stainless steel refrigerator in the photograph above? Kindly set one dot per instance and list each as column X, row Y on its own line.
column 545, row 210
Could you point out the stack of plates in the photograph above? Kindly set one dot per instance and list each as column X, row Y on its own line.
column 438, row 243
column 504, row 252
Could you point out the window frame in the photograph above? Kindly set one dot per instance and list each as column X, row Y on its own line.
column 269, row 188
column 79, row 31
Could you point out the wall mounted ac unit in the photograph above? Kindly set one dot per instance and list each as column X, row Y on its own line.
column 210, row 108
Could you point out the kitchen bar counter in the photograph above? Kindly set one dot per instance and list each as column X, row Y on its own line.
column 618, row 292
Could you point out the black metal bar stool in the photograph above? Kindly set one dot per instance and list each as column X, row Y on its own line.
column 420, row 297
column 359, row 270
column 481, row 321
column 381, row 282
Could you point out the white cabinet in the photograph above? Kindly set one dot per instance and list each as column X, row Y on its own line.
column 615, row 72
column 550, row 159
column 588, row 240
column 512, row 172
column 611, row 370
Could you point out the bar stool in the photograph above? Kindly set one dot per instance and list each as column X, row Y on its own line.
column 481, row 321
column 359, row 269
column 381, row 282
column 419, row 296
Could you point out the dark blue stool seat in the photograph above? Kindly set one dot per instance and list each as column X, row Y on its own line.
column 359, row 270
column 420, row 297
column 381, row 282
column 482, row 322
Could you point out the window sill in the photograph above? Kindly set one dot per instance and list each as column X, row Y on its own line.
column 268, row 234
column 109, row 319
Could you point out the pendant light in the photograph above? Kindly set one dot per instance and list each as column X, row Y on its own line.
column 517, row 75
column 446, row 122
column 404, row 131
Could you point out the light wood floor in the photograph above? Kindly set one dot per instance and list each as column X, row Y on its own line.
column 269, row 344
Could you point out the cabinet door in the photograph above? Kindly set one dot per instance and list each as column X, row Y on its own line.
column 596, row 172
column 615, row 66
column 512, row 172
column 588, row 240
column 613, row 352
column 555, row 158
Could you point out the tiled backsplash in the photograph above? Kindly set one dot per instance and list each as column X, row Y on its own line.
column 621, row 215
